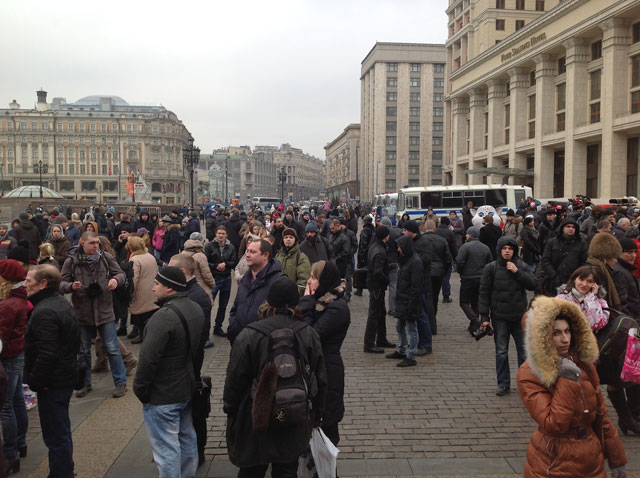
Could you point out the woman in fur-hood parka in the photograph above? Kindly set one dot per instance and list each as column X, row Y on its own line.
column 575, row 434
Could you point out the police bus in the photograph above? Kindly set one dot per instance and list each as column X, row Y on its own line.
column 417, row 201
column 265, row 203
column 389, row 203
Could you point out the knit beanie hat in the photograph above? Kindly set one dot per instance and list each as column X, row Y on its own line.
column 381, row 233
column 196, row 236
column 311, row 227
column 411, row 226
column 11, row 270
column 386, row 222
column 627, row 244
column 289, row 231
column 510, row 213
column 368, row 219
column 445, row 220
column 283, row 293
column 474, row 231
column 19, row 253
column 23, row 216
column 61, row 219
column 604, row 246
column 173, row 278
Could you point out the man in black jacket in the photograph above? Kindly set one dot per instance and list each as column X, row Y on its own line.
column 366, row 236
column 489, row 234
column 445, row 230
column 52, row 342
column 276, row 231
column 316, row 247
column 562, row 255
column 341, row 247
column 222, row 258
column 440, row 264
column 375, row 335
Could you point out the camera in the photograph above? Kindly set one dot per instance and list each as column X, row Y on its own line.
column 93, row 290
column 479, row 333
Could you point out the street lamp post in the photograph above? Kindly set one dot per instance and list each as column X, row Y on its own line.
column 282, row 176
column 191, row 157
column 41, row 168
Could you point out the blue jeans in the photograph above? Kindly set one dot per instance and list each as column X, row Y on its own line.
column 393, row 282
column 424, row 327
column 53, row 408
column 13, row 414
column 407, row 328
column 502, row 330
column 224, row 287
column 446, row 283
column 112, row 349
column 172, row 438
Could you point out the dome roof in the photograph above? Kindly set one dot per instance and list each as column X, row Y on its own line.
column 33, row 192
column 95, row 100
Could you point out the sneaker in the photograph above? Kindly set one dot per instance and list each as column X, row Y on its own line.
column 219, row 332
column 83, row 391
column 133, row 363
column 447, row 300
column 407, row 363
column 30, row 402
column 208, row 344
column 134, row 333
column 120, row 391
column 502, row 391
column 396, row 355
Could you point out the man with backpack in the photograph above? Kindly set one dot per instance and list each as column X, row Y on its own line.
column 275, row 389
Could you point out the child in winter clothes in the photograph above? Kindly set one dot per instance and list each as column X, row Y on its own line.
column 584, row 290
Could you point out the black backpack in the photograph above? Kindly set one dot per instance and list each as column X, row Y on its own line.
column 282, row 394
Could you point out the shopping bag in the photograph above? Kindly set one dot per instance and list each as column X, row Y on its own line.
column 325, row 454
column 631, row 366
column 612, row 338
column 306, row 466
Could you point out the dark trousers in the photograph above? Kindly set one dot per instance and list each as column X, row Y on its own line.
column 469, row 294
column 53, row 408
column 278, row 470
column 376, row 330
column 436, row 285
column 503, row 330
column 140, row 320
column 425, row 338
column 223, row 285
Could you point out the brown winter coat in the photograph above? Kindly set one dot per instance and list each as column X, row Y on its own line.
column 574, row 434
column 61, row 248
column 145, row 269
column 203, row 274
column 91, row 311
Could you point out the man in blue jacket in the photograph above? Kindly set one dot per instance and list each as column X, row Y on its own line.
column 253, row 287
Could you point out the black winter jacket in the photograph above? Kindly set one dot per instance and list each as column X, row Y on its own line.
column 330, row 317
column 317, row 249
column 471, row 259
column 233, row 226
column 410, row 282
column 210, row 225
column 561, row 257
column 52, row 342
column 377, row 266
column 530, row 245
column 366, row 236
column 441, row 258
column 27, row 231
column 216, row 255
column 627, row 287
column 503, row 294
column 489, row 235
column 448, row 235
column 249, row 354
column 341, row 251
column 197, row 294
column 171, row 243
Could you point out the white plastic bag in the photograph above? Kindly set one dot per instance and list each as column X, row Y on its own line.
column 325, row 454
column 306, row 467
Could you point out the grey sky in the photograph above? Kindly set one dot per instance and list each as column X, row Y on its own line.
column 243, row 72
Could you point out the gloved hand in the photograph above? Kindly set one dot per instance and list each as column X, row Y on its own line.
column 620, row 472
column 568, row 369
column 485, row 322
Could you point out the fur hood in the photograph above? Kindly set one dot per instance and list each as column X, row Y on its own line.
column 192, row 245
column 326, row 299
column 542, row 356
column 605, row 246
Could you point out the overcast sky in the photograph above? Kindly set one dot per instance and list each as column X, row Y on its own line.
column 235, row 72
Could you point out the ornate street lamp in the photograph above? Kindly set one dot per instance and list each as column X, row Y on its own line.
column 39, row 169
column 282, row 176
column 191, row 157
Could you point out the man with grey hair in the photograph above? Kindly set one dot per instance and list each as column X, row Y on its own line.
column 6, row 241
column 620, row 228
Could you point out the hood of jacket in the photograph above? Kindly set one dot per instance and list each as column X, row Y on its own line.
column 193, row 245
column 542, row 355
column 406, row 244
column 26, row 224
column 504, row 241
column 576, row 235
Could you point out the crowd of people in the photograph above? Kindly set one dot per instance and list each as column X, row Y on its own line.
column 153, row 281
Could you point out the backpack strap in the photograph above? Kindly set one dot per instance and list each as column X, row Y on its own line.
column 187, row 337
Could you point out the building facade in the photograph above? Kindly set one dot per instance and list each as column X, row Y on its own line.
column 98, row 148
column 305, row 173
column 342, row 164
column 401, row 117
column 555, row 104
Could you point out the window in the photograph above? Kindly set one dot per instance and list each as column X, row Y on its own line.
column 596, row 50
column 414, row 170
column 438, row 82
column 438, row 68
column 392, row 81
column 560, row 122
column 436, row 155
column 414, row 140
column 87, row 185
column 67, row 185
column 635, row 102
column 414, row 155
column 437, row 126
column 103, row 127
column 414, row 126
column 635, row 32
column 109, row 186
column 392, row 67
column 532, row 78
column 104, row 169
column 114, row 156
column 391, row 125
column 532, row 107
column 437, row 141
column 45, row 152
column 414, row 96
column 391, row 140
column 390, row 170
column 499, row 3
column 562, row 65
column 115, row 169
column 45, row 126
column 135, row 128
column 539, row 5
column 561, row 93
column 94, row 169
column 390, row 155
column 392, row 111
column 519, row 4
column 519, row 24
column 114, row 127
column 34, row 151
column 83, row 169
column 72, row 154
column 93, row 155
column 390, row 184
column 635, row 71
column 72, row 168
column 82, row 127
column 92, row 127
column 392, row 96
column 438, row 97
column 82, row 155
column 414, row 67
column 71, row 127
column 60, row 168
column 438, row 111
column 595, row 84
column 500, row 25
column 59, row 127
column 414, row 82
column 414, row 111
column 594, row 112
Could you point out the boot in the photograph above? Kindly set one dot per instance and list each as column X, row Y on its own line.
column 626, row 421
column 633, row 398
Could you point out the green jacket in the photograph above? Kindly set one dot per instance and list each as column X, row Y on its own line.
column 295, row 265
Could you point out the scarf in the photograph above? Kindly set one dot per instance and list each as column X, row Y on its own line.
column 330, row 296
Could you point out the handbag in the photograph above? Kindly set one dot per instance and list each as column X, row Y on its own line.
column 631, row 366
column 612, row 338
column 360, row 278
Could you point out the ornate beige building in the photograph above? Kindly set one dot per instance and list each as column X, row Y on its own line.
column 555, row 104
column 401, row 117
column 342, row 164
column 92, row 149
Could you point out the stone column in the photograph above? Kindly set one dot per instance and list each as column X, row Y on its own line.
column 496, row 96
column 577, row 100
column 545, row 121
column 614, row 100
column 477, row 103
column 460, row 110
column 519, row 85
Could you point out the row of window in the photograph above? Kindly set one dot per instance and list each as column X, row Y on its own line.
column 82, row 127
column 521, row 5
column 436, row 155
column 392, row 82
column 414, row 141
column 414, row 96
column 416, row 67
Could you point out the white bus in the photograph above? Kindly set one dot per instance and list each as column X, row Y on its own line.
column 265, row 202
column 442, row 199
column 389, row 203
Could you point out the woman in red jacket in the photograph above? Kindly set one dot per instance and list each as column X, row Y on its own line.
column 13, row 322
